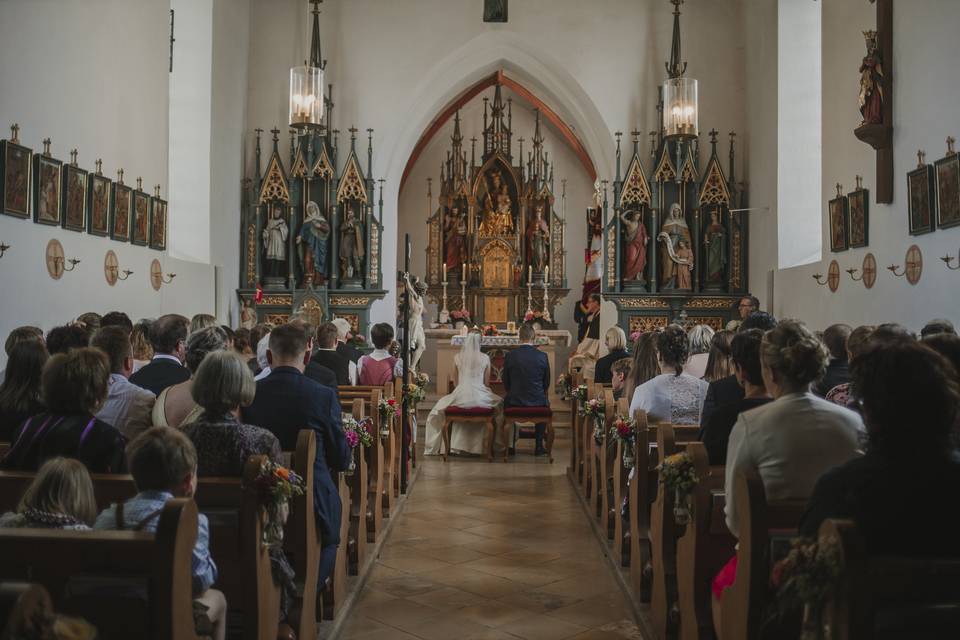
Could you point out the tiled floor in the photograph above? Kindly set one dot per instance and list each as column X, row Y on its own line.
column 491, row 551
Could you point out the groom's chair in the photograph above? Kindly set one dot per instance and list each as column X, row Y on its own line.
column 537, row 415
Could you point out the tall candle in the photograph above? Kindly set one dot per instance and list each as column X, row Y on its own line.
column 464, row 272
column 530, row 273
column 546, row 276
column 444, row 271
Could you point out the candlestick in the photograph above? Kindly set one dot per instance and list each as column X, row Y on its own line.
column 463, row 295
column 444, row 312
column 529, row 296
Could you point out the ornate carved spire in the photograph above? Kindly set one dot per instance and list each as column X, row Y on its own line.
column 316, row 58
column 497, row 134
column 676, row 67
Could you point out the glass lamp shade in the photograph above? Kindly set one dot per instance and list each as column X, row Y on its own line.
column 306, row 97
column 680, row 110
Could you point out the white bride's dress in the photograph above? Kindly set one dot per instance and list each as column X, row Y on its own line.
column 469, row 392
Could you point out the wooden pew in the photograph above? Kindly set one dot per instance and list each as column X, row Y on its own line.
column 890, row 596
column 302, row 540
column 592, row 485
column 576, row 433
column 357, row 481
column 55, row 559
column 605, row 466
column 705, row 546
column 621, row 533
column 743, row 606
column 663, row 535
column 334, row 596
column 236, row 528
column 639, row 498
column 370, row 399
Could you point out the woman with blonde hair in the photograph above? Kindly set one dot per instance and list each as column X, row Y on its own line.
column 616, row 342
column 60, row 497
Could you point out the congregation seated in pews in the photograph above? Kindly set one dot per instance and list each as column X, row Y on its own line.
column 723, row 504
column 203, row 494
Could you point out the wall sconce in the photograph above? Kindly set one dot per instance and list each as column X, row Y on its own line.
column 817, row 277
column 56, row 264
column 157, row 278
column 112, row 272
column 833, row 277
column 853, row 275
column 3, row 249
column 947, row 260
column 913, row 266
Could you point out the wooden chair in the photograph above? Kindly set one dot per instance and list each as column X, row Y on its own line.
column 538, row 415
column 471, row 415
column 704, row 547
column 58, row 559
column 890, row 596
column 357, row 482
column 743, row 605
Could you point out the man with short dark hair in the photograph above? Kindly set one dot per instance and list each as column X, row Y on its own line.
column 526, row 377
column 938, row 326
column 117, row 319
column 746, row 305
column 128, row 407
column 620, row 370
column 326, row 354
column 835, row 339
column 168, row 335
column 66, row 338
column 287, row 401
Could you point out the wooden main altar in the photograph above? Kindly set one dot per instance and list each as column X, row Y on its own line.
column 495, row 237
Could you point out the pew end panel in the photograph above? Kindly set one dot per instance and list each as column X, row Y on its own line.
column 302, row 540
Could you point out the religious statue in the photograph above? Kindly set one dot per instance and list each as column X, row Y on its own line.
column 455, row 232
column 674, row 230
column 418, row 339
column 635, row 240
column 715, row 241
column 684, row 265
column 497, row 209
column 275, row 243
column 312, row 245
column 538, row 241
column 871, row 82
column 248, row 317
column 495, row 10
column 351, row 247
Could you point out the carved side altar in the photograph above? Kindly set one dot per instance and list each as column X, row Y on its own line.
column 495, row 241
column 310, row 237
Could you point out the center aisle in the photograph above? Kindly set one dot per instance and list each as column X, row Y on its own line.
column 492, row 551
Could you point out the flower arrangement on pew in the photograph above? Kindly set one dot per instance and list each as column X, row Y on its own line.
column 596, row 409
column 415, row 392
column 806, row 579
column 388, row 408
column 565, row 386
column 276, row 485
column 624, row 430
column 580, row 393
column 678, row 474
column 358, row 433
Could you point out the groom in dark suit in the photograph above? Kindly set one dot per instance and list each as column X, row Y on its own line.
column 526, row 377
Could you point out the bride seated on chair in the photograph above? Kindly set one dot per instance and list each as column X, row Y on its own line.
column 472, row 390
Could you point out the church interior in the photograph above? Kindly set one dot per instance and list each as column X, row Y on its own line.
column 554, row 319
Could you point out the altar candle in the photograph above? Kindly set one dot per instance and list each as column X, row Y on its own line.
column 464, row 273
column 546, row 276
column 444, row 271
column 530, row 274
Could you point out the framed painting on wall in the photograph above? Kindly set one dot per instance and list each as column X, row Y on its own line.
column 74, row 198
column 98, row 222
column 120, row 213
column 858, row 205
column 46, row 192
column 140, row 232
column 948, row 188
column 158, row 224
column 15, row 178
column 921, row 198
column 838, row 222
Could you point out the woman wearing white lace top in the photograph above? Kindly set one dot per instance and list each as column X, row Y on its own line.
column 674, row 396
column 472, row 390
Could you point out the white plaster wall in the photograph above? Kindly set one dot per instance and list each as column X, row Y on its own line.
column 395, row 65
column 90, row 75
column 925, row 93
